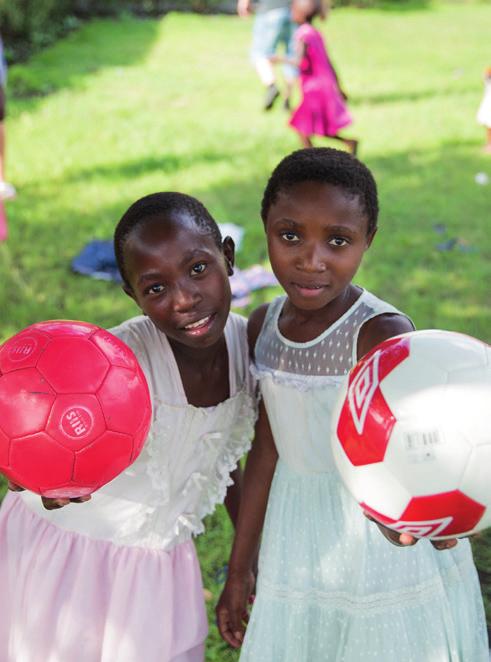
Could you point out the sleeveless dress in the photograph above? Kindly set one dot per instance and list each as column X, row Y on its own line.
column 484, row 111
column 330, row 587
column 322, row 111
column 117, row 579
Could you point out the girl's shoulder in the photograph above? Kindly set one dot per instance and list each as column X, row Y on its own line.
column 380, row 321
column 307, row 32
column 263, row 317
column 255, row 324
column 139, row 333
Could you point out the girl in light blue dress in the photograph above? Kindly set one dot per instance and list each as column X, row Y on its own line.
column 330, row 586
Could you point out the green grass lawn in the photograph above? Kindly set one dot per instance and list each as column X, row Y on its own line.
column 124, row 108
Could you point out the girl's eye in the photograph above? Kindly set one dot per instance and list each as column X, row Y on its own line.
column 156, row 289
column 290, row 236
column 338, row 241
column 198, row 268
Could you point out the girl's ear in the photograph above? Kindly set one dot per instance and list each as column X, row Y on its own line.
column 229, row 252
column 129, row 292
column 370, row 237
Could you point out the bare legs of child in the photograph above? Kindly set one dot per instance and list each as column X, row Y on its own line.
column 266, row 73
column 7, row 191
column 350, row 143
column 487, row 146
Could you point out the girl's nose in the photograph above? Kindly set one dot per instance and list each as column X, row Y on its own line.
column 185, row 298
column 313, row 259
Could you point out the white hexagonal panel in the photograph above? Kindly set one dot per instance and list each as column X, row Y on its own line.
column 449, row 350
column 427, row 457
column 372, row 484
column 405, row 388
column 476, row 479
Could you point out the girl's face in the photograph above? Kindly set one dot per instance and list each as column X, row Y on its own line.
column 179, row 278
column 300, row 11
column 317, row 235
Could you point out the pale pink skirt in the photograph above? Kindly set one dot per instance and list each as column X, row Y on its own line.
column 67, row 598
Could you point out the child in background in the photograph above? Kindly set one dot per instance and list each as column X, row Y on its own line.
column 330, row 587
column 7, row 190
column 116, row 578
column 484, row 112
column 323, row 111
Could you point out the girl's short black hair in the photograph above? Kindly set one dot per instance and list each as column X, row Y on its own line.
column 314, row 9
column 161, row 206
column 327, row 166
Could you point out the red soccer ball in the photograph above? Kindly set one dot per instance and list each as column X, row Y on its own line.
column 411, row 434
column 74, row 408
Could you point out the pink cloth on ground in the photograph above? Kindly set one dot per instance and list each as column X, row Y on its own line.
column 107, row 608
column 322, row 111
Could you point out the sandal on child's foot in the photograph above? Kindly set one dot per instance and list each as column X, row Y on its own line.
column 272, row 93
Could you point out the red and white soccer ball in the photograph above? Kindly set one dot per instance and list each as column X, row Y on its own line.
column 412, row 434
column 74, row 408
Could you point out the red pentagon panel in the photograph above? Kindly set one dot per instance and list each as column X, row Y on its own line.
column 25, row 402
column 73, row 365
column 103, row 460
column 125, row 400
column 76, row 420
column 22, row 350
column 366, row 421
column 4, row 450
column 446, row 514
column 392, row 352
column 116, row 351
column 66, row 327
column 39, row 460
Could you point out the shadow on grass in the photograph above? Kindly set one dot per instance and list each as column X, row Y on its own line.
column 416, row 95
column 165, row 164
column 98, row 45
column 439, row 288
column 400, row 5
column 440, row 277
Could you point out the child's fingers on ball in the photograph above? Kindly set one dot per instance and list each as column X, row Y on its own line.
column 81, row 499
column 54, row 504
column 14, row 487
column 444, row 544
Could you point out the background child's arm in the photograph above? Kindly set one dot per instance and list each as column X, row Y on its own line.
column 372, row 333
column 300, row 50
column 261, row 462
column 324, row 9
column 243, row 7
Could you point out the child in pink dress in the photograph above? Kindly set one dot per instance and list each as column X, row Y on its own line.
column 116, row 578
column 323, row 111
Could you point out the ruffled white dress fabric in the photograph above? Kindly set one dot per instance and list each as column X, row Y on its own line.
column 331, row 588
column 117, row 579
column 484, row 111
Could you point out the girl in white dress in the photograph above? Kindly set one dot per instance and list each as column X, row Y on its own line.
column 116, row 578
column 330, row 587
column 484, row 112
